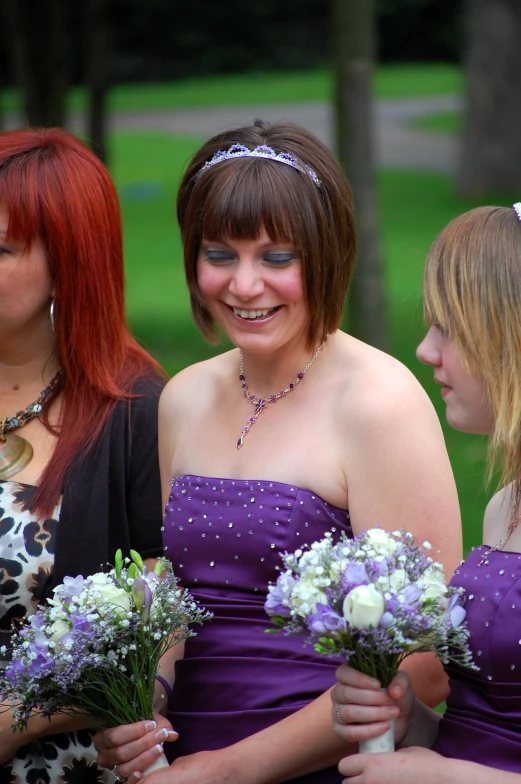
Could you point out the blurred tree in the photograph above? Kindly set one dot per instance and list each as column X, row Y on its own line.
column 491, row 149
column 353, row 45
column 97, row 77
column 38, row 38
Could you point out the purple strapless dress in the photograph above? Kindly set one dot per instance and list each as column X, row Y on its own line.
column 224, row 537
column 482, row 722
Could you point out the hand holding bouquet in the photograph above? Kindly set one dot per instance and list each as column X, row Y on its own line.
column 96, row 647
column 373, row 600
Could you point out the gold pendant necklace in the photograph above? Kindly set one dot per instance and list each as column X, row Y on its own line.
column 16, row 452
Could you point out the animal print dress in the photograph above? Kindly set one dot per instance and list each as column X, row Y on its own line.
column 26, row 560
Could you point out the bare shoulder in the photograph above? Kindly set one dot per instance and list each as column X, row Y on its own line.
column 195, row 387
column 381, row 393
column 391, row 443
column 497, row 511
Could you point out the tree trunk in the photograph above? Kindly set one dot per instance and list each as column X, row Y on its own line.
column 97, row 75
column 39, row 50
column 353, row 43
column 491, row 149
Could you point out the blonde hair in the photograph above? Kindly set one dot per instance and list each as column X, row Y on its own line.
column 472, row 290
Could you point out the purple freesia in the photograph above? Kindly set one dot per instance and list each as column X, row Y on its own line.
column 392, row 604
column 37, row 621
column 15, row 668
column 142, row 596
column 278, row 595
column 325, row 620
column 41, row 661
column 379, row 568
column 455, row 611
column 411, row 596
column 354, row 574
column 82, row 625
column 71, row 586
column 386, row 620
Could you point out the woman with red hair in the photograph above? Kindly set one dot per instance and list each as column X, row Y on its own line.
column 82, row 478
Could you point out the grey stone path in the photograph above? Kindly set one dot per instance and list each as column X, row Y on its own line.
column 398, row 143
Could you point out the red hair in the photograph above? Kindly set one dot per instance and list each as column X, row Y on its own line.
column 57, row 190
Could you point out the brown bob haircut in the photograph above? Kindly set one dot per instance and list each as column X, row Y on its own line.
column 237, row 198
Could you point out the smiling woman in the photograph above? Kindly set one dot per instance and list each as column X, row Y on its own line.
column 248, row 285
column 347, row 439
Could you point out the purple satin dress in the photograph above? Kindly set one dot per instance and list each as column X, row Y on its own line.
column 483, row 718
column 224, row 537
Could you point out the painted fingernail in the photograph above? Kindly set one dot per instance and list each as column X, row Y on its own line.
column 159, row 748
column 137, row 775
column 161, row 734
column 150, row 725
column 172, row 734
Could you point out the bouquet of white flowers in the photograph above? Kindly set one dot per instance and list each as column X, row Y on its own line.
column 373, row 600
column 96, row 647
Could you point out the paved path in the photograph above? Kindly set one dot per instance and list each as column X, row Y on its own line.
column 398, row 143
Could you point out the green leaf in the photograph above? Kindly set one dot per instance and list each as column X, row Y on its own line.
column 118, row 563
column 320, row 649
column 132, row 571
column 137, row 560
column 161, row 565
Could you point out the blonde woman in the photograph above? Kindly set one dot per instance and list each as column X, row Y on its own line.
column 472, row 289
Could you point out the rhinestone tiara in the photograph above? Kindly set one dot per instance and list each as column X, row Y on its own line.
column 517, row 209
column 263, row 151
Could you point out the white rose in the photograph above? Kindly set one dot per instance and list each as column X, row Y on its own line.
column 381, row 542
column 398, row 580
column 100, row 578
column 58, row 629
column 363, row 607
column 433, row 586
column 114, row 597
column 305, row 596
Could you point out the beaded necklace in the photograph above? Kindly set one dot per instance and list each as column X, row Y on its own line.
column 261, row 403
column 16, row 452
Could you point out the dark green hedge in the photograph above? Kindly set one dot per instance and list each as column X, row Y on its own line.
column 168, row 39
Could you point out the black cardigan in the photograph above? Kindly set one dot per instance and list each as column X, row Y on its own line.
column 112, row 494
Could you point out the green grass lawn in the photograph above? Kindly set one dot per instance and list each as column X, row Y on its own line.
column 414, row 207
column 444, row 122
column 391, row 81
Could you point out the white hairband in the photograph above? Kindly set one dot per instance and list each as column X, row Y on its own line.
column 263, row 151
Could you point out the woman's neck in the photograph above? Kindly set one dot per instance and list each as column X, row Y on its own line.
column 27, row 364
column 268, row 374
